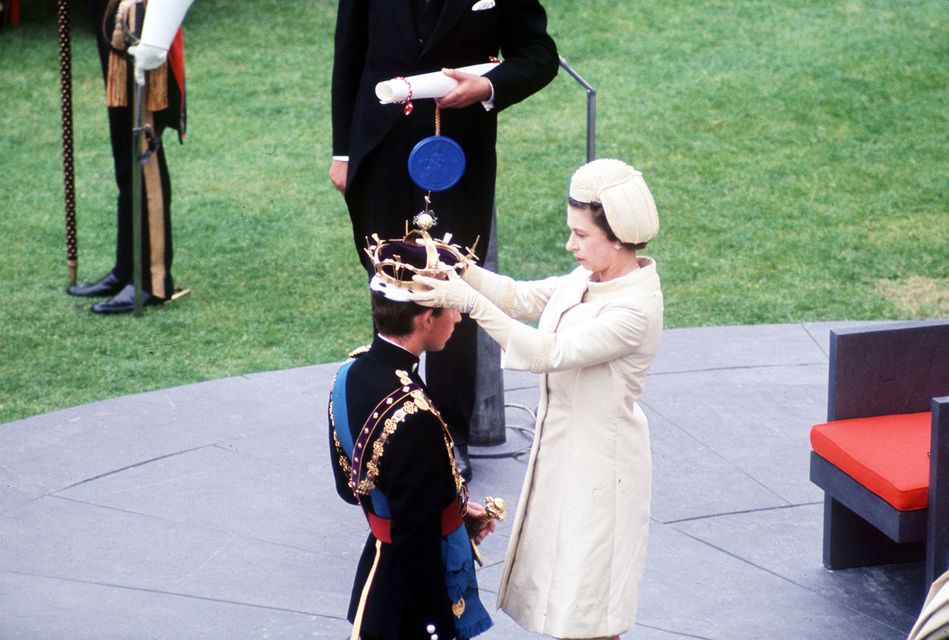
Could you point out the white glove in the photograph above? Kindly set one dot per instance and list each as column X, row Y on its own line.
column 455, row 293
column 501, row 290
column 147, row 57
column 474, row 275
column 162, row 20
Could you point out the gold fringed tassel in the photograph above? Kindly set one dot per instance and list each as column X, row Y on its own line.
column 116, row 94
column 116, row 88
column 157, row 88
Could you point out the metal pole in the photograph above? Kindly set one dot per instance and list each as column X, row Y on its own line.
column 591, row 108
column 65, row 101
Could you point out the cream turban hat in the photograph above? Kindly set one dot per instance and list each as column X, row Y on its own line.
column 626, row 199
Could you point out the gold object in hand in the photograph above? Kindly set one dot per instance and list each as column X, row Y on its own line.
column 494, row 509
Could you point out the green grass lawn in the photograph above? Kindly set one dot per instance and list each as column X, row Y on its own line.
column 796, row 152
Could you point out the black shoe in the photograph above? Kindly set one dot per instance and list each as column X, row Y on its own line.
column 124, row 301
column 462, row 463
column 107, row 285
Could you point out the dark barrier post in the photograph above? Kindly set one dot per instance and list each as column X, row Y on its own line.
column 487, row 421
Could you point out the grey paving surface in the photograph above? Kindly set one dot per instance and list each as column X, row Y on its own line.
column 207, row 511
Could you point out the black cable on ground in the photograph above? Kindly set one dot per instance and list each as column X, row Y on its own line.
column 529, row 431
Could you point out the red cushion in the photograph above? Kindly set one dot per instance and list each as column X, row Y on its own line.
column 889, row 455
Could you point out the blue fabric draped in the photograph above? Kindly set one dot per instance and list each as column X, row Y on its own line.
column 461, row 582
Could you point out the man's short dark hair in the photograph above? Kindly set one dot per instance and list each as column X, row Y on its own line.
column 395, row 318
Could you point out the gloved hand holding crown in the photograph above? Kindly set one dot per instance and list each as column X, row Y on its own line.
column 453, row 293
column 456, row 293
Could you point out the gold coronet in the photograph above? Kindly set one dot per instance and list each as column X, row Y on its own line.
column 392, row 268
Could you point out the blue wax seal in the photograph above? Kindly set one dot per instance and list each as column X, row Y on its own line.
column 436, row 163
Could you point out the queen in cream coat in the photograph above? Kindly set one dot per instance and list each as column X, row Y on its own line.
column 578, row 541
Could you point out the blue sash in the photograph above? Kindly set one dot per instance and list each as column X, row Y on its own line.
column 380, row 505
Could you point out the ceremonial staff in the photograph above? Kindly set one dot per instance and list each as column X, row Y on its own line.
column 65, row 94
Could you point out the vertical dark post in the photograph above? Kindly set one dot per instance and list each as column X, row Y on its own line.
column 591, row 125
column 487, row 421
column 937, row 535
column 65, row 95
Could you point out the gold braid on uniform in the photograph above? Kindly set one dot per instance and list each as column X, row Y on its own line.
column 390, row 424
column 422, row 402
column 413, row 401
column 343, row 458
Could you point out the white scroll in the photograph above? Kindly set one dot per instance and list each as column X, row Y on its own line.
column 426, row 85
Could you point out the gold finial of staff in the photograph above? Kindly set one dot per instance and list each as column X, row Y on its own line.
column 494, row 509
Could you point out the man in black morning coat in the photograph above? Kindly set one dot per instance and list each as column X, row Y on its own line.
column 377, row 40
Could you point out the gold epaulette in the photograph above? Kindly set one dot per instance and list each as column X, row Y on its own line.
column 358, row 351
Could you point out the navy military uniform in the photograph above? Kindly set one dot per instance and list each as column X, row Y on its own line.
column 401, row 576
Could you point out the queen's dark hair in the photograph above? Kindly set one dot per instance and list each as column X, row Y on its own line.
column 599, row 219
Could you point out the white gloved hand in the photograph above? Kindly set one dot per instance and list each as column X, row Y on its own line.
column 162, row 20
column 453, row 293
column 147, row 57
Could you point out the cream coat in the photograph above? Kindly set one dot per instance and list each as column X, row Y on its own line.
column 578, row 541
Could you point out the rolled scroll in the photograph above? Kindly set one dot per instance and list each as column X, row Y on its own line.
column 426, row 85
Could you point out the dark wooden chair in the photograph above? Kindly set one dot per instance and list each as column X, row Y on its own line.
column 878, row 375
